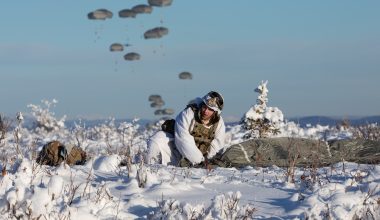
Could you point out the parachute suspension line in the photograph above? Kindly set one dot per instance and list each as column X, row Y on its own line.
column 115, row 63
column 184, row 92
column 124, row 35
column 98, row 29
column 161, row 19
column 96, row 33
column 132, row 68
column 162, row 48
column 126, row 28
column 161, row 41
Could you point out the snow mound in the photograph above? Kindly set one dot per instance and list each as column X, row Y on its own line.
column 107, row 163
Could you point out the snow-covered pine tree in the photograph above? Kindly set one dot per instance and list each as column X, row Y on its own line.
column 260, row 120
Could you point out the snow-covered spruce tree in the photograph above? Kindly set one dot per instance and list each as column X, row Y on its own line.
column 45, row 119
column 260, row 120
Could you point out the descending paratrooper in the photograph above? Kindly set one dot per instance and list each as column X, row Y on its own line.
column 157, row 32
column 100, row 14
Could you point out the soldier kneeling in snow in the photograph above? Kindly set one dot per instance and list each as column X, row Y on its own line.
column 54, row 153
column 196, row 135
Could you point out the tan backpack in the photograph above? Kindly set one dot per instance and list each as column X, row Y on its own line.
column 54, row 152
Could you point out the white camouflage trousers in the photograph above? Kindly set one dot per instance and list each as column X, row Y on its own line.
column 162, row 150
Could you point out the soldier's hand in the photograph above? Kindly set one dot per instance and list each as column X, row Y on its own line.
column 207, row 165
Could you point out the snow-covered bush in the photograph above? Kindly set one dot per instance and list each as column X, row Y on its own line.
column 224, row 206
column 167, row 209
column 44, row 118
column 54, row 193
column 369, row 132
column 132, row 137
column 5, row 124
column 153, row 127
column 124, row 139
column 260, row 120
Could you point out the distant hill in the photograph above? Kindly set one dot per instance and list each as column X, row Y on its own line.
column 332, row 121
column 302, row 121
column 93, row 123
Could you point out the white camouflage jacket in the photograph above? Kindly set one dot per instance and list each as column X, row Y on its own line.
column 184, row 141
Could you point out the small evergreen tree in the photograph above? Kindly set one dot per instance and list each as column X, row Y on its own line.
column 260, row 120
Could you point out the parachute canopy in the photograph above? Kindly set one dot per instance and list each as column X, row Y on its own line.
column 166, row 111
column 185, row 75
column 116, row 47
column 142, row 9
column 157, row 32
column 156, row 100
column 153, row 98
column 160, row 3
column 100, row 14
column 127, row 13
column 158, row 104
column 132, row 56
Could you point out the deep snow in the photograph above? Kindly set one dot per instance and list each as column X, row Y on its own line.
column 101, row 189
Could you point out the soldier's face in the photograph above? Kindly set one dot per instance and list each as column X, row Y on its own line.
column 206, row 112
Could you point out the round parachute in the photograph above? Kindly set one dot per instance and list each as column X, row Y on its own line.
column 157, row 32
column 100, row 14
column 132, row 56
column 185, row 75
column 153, row 98
column 116, row 47
column 166, row 111
column 127, row 13
column 142, row 9
column 157, row 104
column 160, row 3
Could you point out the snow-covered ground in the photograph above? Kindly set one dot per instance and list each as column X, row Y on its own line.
column 101, row 189
column 108, row 192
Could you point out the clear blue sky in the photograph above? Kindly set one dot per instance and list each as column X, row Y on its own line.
column 320, row 57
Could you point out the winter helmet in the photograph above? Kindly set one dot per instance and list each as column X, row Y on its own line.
column 214, row 101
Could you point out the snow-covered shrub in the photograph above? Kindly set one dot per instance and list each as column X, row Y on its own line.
column 5, row 124
column 167, row 209
column 44, row 118
column 142, row 174
column 27, row 194
column 79, row 132
column 260, row 120
column 370, row 209
column 153, row 127
column 126, row 140
column 369, row 132
column 224, row 206
column 17, row 133
column 193, row 212
column 132, row 137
